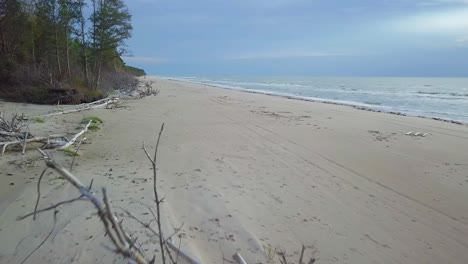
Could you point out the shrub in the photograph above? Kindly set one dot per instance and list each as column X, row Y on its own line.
column 93, row 119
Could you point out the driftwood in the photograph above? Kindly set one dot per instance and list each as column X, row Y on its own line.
column 240, row 259
column 75, row 137
column 47, row 141
column 51, row 141
column 12, row 125
column 84, row 107
column 11, row 134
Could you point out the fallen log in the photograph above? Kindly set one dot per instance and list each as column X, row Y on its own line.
column 74, row 138
column 84, row 107
column 11, row 134
column 45, row 140
column 240, row 259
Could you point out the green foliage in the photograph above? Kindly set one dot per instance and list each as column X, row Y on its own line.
column 95, row 122
column 134, row 71
column 39, row 120
column 94, row 128
column 70, row 151
column 93, row 119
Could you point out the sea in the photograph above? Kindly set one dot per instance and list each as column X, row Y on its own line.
column 444, row 98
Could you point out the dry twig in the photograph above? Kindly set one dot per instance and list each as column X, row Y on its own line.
column 76, row 153
column 153, row 162
column 45, row 239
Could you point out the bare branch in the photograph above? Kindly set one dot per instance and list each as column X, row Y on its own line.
column 302, row 254
column 145, row 225
column 178, row 250
column 155, row 190
column 176, row 230
column 147, row 154
column 157, row 144
column 239, row 258
column 70, row 142
column 51, row 207
column 184, row 255
column 38, row 192
column 113, row 219
column 76, row 153
column 43, row 241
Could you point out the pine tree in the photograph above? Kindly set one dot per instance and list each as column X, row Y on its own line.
column 111, row 28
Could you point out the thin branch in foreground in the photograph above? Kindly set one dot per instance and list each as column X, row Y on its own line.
column 38, row 192
column 302, row 254
column 153, row 162
column 178, row 249
column 76, row 154
column 81, row 198
column 145, row 225
column 43, row 241
column 113, row 219
column 283, row 260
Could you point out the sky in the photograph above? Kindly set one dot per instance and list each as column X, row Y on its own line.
column 420, row 38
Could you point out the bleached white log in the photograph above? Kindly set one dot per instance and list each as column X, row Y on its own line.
column 45, row 140
column 83, row 107
column 75, row 137
column 11, row 134
column 239, row 258
column 25, row 142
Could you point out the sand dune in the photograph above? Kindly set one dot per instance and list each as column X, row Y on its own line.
column 247, row 171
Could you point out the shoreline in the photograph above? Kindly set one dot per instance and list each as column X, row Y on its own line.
column 355, row 105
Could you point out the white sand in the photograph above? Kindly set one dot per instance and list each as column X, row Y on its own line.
column 243, row 171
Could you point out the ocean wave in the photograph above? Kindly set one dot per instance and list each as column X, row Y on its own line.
column 372, row 103
column 431, row 93
column 388, row 94
column 443, row 93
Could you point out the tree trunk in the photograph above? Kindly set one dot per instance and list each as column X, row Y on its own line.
column 94, row 45
column 57, row 54
column 98, row 77
column 33, row 51
column 83, row 44
column 2, row 50
column 68, row 55
column 99, row 50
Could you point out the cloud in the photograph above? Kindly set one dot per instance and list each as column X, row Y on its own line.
column 285, row 54
column 443, row 2
column 462, row 41
column 146, row 60
column 448, row 22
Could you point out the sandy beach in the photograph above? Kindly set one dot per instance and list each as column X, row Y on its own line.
column 246, row 173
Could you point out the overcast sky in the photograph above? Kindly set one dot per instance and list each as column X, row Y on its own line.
column 300, row 37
